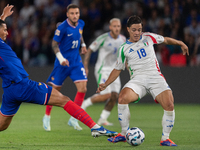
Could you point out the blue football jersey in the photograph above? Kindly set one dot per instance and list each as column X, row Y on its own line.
column 69, row 39
column 11, row 68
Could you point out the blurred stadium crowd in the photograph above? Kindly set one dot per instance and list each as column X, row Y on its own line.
column 32, row 25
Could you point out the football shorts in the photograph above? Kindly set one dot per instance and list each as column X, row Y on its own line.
column 60, row 73
column 148, row 84
column 102, row 77
column 25, row 91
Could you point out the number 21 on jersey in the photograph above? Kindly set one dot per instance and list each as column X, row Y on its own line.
column 75, row 44
column 141, row 53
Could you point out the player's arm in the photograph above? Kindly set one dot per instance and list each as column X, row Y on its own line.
column 86, row 60
column 83, row 46
column 112, row 77
column 6, row 12
column 62, row 60
column 171, row 41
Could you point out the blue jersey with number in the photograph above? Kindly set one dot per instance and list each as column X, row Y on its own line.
column 69, row 39
column 11, row 68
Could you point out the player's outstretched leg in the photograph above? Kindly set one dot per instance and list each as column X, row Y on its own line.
column 78, row 113
column 73, row 122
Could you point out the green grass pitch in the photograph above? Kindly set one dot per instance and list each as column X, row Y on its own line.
column 26, row 131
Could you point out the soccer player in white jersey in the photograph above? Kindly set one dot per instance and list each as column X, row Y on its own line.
column 146, row 77
column 108, row 45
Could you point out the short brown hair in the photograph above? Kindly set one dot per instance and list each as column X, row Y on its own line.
column 71, row 6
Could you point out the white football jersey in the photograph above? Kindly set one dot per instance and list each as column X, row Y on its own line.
column 140, row 55
column 108, row 48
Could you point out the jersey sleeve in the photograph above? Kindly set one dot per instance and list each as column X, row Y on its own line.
column 121, row 59
column 98, row 42
column 58, row 35
column 156, row 38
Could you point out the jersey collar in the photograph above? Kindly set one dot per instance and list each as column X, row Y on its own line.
column 72, row 25
column 128, row 42
column 111, row 36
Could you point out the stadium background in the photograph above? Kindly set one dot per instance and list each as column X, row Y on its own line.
column 33, row 23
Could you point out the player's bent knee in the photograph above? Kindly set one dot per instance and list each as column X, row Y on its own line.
column 122, row 100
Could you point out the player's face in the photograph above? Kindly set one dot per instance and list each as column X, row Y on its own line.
column 73, row 15
column 3, row 31
column 115, row 28
column 135, row 30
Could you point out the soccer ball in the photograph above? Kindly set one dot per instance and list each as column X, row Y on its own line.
column 135, row 136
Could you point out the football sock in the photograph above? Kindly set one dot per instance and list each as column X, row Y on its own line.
column 123, row 117
column 47, row 116
column 79, row 98
column 96, row 126
column 167, row 123
column 86, row 103
column 78, row 113
column 48, row 110
column 105, row 114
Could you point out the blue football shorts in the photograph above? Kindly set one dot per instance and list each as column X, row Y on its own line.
column 60, row 73
column 25, row 91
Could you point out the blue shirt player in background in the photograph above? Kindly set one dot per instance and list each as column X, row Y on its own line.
column 66, row 43
column 19, row 88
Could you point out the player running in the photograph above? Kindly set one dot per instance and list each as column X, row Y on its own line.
column 108, row 45
column 146, row 77
column 66, row 43
column 19, row 88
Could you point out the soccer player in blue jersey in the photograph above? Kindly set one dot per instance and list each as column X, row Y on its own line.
column 19, row 88
column 66, row 43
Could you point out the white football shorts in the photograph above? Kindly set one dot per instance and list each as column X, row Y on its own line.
column 102, row 77
column 148, row 84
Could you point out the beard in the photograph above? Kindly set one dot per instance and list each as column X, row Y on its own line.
column 73, row 22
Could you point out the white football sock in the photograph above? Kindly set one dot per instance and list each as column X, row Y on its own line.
column 86, row 103
column 96, row 126
column 105, row 114
column 167, row 123
column 123, row 117
column 47, row 116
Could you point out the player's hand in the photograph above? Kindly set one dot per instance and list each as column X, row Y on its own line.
column 83, row 50
column 101, row 87
column 65, row 63
column 7, row 10
column 185, row 49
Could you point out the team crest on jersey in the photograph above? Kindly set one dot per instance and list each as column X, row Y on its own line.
column 57, row 32
column 145, row 42
column 39, row 83
column 80, row 31
column 52, row 78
